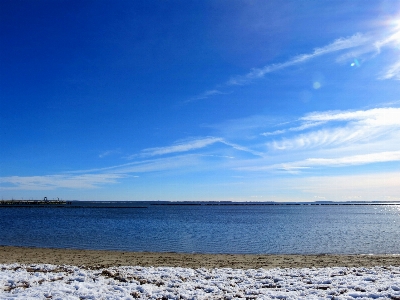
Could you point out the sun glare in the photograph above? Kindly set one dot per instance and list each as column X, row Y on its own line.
column 391, row 34
column 396, row 30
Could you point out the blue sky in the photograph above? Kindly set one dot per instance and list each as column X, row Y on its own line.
column 200, row 100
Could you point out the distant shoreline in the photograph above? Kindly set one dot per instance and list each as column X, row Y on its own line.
column 105, row 258
column 146, row 204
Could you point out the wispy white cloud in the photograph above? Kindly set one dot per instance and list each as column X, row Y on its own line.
column 296, row 166
column 246, row 129
column 381, row 157
column 356, row 46
column 305, row 125
column 338, row 45
column 109, row 152
column 191, row 145
column 327, row 138
column 172, row 160
column 51, row 182
column 186, row 161
column 275, row 132
column 392, row 72
column 321, row 140
column 366, row 52
column 331, row 138
column 242, row 148
column 359, row 126
column 360, row 46
column 94, row 178
column 206, row 95
column 181, row 147
column 377, row 116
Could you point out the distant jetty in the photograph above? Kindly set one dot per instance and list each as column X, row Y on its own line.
column 71, row 204
column 34, row 203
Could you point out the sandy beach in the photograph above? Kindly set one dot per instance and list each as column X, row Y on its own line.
column 102, row 259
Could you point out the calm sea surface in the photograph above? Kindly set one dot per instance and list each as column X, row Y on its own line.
column 266, row 229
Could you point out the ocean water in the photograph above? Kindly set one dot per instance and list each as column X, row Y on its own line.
column 251, row 229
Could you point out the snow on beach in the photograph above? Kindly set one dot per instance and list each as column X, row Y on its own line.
column 41, row 281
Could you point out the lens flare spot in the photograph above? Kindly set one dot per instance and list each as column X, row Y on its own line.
column 355, row 63
column 316, row 85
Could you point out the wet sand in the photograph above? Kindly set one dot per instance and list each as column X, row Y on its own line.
column 101, row 259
